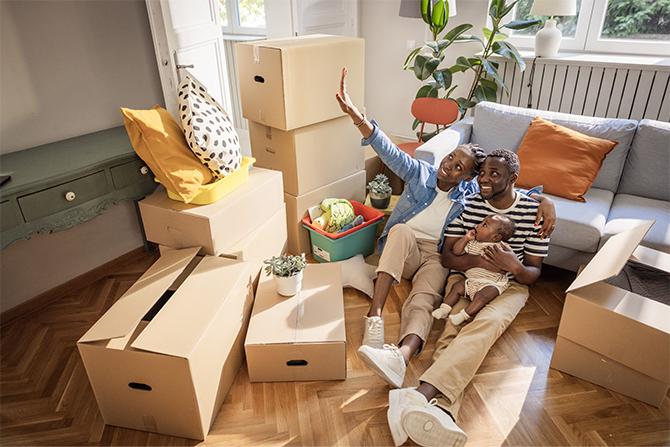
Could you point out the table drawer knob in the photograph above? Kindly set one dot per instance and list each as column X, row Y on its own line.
column 70, row 196
column 144, row 170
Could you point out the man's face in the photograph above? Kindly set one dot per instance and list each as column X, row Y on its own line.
column 456, row 166
column 494, row 178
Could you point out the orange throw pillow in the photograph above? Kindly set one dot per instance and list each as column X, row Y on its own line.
column 564, row 161
column 160, row 142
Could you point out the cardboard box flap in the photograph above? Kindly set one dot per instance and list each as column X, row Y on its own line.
column 179, row 326
column 612, row 257
column 315, row 315
column 126, row 313
column 300, row 41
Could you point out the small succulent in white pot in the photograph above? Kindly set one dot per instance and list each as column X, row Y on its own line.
column 380, row 191
column 287, row 271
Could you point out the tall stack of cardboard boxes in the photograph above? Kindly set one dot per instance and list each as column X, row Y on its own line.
column 287, row 89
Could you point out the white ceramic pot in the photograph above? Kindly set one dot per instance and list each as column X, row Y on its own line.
column 289, row 285
column 548, row 40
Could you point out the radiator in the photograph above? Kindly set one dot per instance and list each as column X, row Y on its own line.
column 602, row 89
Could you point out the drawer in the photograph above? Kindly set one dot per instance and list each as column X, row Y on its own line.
column 55, row 199
column 10, row 216
column 132, row 173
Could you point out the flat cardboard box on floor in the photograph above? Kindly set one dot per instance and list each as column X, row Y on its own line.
column 300, row 337
column 311, row 156
column 284, row 83
column 352, row 187
column 216, row 227
column 168, row 369
column 613, row 337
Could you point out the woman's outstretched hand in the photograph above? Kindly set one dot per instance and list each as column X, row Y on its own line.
column 343, row 98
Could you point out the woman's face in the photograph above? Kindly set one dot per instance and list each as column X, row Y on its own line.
column 456, row 166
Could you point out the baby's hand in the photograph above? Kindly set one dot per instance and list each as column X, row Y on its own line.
column 470, row 235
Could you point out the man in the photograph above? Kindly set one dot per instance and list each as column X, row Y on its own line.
column 427, row 413
column 412, row 240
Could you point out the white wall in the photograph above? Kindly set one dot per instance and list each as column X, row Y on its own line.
column 389, row 90
column 66, row 68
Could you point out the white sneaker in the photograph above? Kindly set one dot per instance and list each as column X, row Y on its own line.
column 429, row 426
column 399, row 400
column 387, row 362
column 373, row 335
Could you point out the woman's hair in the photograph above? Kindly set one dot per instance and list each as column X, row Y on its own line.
column 478, row 155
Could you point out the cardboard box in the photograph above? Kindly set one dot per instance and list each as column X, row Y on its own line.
column 311, row 156
column 352, row 187
column 290, row 83
column 216, row 227
column 373, row 164
column 266, row 241
column 164, row 356
column 614, row 337
column 300, row 337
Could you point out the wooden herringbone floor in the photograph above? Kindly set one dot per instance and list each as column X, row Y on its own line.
column 515, row 399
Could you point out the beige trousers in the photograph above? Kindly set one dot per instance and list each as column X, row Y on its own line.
column 405, row 256
column 461, row 350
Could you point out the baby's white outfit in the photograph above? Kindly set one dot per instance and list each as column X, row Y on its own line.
column 477, row 278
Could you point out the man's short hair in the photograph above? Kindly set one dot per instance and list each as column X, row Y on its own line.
column 510, row 159
column 478, row 155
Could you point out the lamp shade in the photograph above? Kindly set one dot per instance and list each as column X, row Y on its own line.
column 554, row 8
column 412, row 8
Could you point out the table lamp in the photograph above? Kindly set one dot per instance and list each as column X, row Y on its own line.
column 548, row 39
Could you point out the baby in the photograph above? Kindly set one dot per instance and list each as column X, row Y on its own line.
column 480, row 285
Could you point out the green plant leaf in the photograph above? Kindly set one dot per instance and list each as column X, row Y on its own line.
column 443, row 77
column 427, row 91
column 493, row 73
column 433, row 46
column 409, row 62
column 473, row 61
column 415, row 124
column 453, row 33
column 427, row 11
column 450, row 91
column 440, row 16
column 509, row 51
column 521, row 24
column 489, row 89
column 508, row 8
column 462, row 60
column 424, row 66
column 469, row 38
column 464, row 104
column 487, row 33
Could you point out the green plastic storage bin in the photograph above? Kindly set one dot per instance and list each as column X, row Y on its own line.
column 329, row 247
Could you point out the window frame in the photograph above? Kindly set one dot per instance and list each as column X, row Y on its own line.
column 234, row 26
column 587, row 35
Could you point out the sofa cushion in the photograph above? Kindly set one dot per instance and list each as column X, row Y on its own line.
column 580, row 225
column 628, row 211
column 502, row 126
column 646, row 170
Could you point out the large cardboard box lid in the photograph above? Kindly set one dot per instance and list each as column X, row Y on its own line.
column 612, row 257
column 180, row 324
column 315, row 315
column 286, row 44
column 124, row 315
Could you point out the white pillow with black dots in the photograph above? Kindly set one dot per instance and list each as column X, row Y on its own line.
column 209, row 131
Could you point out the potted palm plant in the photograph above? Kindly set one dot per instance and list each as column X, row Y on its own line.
column 380, row 191
column 287, row 271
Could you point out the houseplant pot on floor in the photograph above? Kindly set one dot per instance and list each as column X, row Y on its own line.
column 287, row 271
column 380, row 192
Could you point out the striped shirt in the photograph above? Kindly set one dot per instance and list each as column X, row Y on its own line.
column 523, row 211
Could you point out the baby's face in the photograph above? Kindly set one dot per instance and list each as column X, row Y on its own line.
column 488, row 230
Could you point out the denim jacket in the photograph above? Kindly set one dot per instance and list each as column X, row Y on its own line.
column 420, row 182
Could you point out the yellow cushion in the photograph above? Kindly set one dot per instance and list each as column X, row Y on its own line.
column 564, row 161
column 159, row 141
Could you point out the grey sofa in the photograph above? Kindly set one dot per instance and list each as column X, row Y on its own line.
column 633, row 183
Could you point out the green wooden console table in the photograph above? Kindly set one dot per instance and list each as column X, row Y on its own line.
column 58, row 185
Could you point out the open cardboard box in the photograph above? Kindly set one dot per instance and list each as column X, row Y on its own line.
column 164, row 356
column 300, row 337
column 614, row 337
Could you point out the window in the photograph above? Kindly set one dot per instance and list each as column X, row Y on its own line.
column 243, row 16
column 611, row 26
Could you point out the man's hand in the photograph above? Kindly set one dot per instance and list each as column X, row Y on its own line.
column 502, row 256
column 344, row 100
column 546, row 215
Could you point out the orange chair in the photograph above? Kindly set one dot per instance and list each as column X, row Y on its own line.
column 436, row 111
